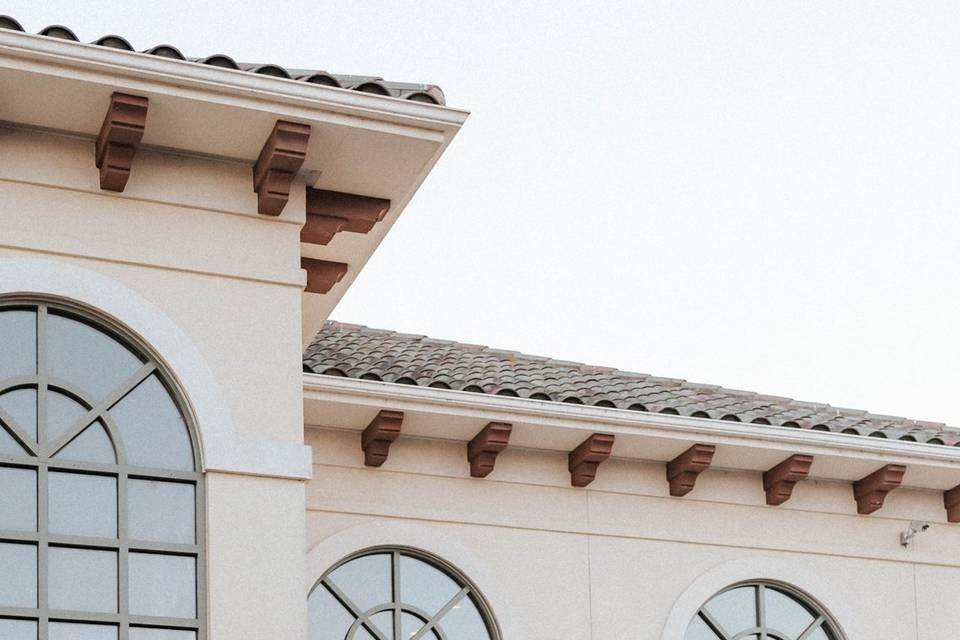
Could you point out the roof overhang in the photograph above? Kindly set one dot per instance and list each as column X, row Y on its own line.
column 360, row 143
column 347, row 403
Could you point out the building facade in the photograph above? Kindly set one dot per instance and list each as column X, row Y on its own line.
column 191, row 450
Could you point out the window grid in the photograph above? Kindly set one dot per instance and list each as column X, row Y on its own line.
column 762, row 626
column 431, row 628
column 40, row 458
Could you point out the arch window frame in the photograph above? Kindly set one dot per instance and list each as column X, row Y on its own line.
column 40, row 456
column 431, row 628
column 820, row 617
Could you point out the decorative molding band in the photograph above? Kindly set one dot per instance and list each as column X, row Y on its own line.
column 281, row 157
column 379, row 435
column 584, row 460
column 329, row 212
column 779, row 481
column 871, row 491
column 483, row 449
column 683, row 470
column 120, row 135
column 951, row 502
column 322, row 274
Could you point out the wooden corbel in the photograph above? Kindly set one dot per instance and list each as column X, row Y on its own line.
column 779, row 481
column 683, row 470
column 329, row 212
column 120, row 135
column 951, row 501
column 483, row 449
column 584, row 460
column 871, row 491
column 379, row 435
column 322, row 274
column 281, row 157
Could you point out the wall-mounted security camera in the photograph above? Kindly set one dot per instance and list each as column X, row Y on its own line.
column 906, row 537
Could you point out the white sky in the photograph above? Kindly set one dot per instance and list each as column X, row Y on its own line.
column 762, row 195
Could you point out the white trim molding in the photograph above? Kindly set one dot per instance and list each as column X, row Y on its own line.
column 222, row 449
column 431, row 539
column 792, row 572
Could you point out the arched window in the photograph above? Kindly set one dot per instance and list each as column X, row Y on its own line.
column 755, row 610
column 397, row 594
column 100, row 496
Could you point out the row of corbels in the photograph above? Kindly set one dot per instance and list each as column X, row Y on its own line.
column 681, row 472
column 281, row 157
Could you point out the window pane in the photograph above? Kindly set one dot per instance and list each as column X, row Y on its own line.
column 87, row 358
column 10, row 446
column 820, row 634
column 161, row 511
column 424, row 586
column 162, row 585
column 18, row 344
column 366, row 580
column 409, row 625
column 464, row 622
column 735, row 610
column 92, row 445
column 77, row 631
column 18, row 499
column 383, row 621
column 18, row 566
column 63, row 412
column 785, row 614
column 21, row 405
column 152, row 429
column 329, row 620
column 143, row 633
column 18, row 629
column 83, row 505
column 698, row 630
column 83, row 580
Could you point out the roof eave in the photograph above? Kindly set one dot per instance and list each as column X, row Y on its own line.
column 641, row 436
column 133, row 71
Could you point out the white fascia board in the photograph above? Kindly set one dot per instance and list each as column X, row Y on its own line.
column 291, row 98
column 623, row 422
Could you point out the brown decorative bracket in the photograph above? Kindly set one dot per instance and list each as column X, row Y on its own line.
column 683, row 470
column 951, row 501
column 584, row 460
column 379, row 435
column 871, row 491
column 779, row 481
column 483, row 449
column 329, row 212
column 322, row 274
column 120, row 135
column 281, row 157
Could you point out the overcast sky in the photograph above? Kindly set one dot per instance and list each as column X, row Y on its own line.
column 762, row 195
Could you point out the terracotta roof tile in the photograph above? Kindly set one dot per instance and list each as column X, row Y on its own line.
column 360, row 352
column 368, row 84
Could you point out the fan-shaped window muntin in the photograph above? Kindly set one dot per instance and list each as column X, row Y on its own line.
column 397, row 594
column 762, row 611
column 101, row 517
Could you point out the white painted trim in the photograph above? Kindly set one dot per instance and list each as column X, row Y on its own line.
column 432, row 539
column 221, row 447
column 793, row 572
column 619, row 421
column 118, row 67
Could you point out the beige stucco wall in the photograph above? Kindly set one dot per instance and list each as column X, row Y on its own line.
column 617, row 560
column 183, row 258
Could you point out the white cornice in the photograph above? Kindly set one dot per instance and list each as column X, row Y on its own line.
column 620, row 421
column 140, row 71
